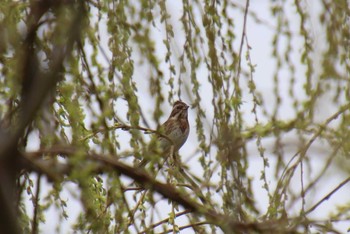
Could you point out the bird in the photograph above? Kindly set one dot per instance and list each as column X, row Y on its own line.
column 176, row 128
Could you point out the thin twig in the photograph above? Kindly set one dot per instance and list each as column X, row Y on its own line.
column 164, row 221
column 133, row 211
column 126, row 128
column 194, row 187
column 327, row 196
column 288, row 172
column 36, row 206
column 322, row 173
column 187, row 226
column 242, row 38
column 302, row 187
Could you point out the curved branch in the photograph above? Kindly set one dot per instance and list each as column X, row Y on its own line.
column 107, row 162
column 127, row 128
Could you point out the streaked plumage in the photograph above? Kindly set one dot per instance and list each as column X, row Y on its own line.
column 176, row 128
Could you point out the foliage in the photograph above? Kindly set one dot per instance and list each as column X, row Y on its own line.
column 86, row 84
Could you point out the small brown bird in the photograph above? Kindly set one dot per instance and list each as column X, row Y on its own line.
column 176, row 128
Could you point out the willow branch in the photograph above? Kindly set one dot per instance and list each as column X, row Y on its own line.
column 108, row 162
column 327, row 196
column 164, row 221
column 127, row 128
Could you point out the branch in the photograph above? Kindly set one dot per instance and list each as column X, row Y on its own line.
column 242, row 38
column 186, row 226
column 36, row 206
column 164, row 221
column 127, row 128
column 327, row 196
column 289, row 170
column 107, row 162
